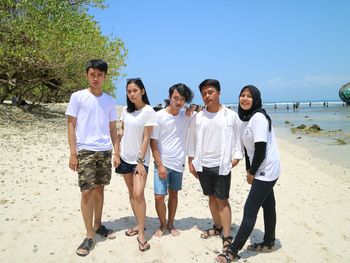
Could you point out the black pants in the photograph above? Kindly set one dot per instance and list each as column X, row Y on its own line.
column 260, row 195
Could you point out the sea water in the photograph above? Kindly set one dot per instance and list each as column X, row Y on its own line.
column 333, row 117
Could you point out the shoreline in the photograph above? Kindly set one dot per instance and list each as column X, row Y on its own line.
column 40, row 204
column 322, row 147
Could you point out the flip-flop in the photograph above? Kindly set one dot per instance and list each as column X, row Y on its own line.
column 132, row 232
column 145, row 245
column 103, row 231
column 87, row 245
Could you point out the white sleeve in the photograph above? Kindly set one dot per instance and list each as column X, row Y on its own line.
column 191, row 140
column 73, row 106
column 260, row 128
column 151, row 117
column 113, row 115
column 237, row 144
column 156, row 129
column 122, row 115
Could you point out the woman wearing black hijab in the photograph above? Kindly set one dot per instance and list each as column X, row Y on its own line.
column 263, row 169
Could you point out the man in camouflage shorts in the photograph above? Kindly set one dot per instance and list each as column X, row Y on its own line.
column 94, row 168
column 92, row 134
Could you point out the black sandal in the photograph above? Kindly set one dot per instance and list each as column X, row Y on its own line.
column 228, row 241
column 87, row 245
column 262, row 247
column 103, row 231
column 226, row 255
column 211, row 232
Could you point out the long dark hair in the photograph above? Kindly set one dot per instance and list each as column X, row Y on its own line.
column 245, row 115
column 138, row 82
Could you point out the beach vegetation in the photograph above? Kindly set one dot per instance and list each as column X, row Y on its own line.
column 340, row 141
column 314, row 128
column 45, row 44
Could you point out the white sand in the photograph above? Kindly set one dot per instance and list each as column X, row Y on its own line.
column 41, row 220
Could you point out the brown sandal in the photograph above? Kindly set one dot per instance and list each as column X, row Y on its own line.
column 143, row 246
column 211, row 232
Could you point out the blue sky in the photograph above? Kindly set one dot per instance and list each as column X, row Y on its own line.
column 291, row 50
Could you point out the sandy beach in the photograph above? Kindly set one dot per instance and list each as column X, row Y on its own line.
column 40, row 204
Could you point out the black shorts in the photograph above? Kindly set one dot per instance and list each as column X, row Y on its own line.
column 214, row 184
column 126, row 168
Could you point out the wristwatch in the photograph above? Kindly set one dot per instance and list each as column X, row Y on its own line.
column 139, row 160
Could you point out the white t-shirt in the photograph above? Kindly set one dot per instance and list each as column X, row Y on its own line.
column 230, row 144
column 212, row 124
column 134, row 125
column 257, row 130
column 93, row 117
column 171, row 135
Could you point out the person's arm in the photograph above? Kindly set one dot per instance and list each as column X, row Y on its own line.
column 157, row 159
column 247, row 161
column 237, row 146
column 115, row 141
column 140, row 167
column 258, row 158
column 72, row 141
column 191, row 146
column 191, row 167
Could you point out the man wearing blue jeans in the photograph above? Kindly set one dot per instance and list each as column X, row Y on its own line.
column 168, row 143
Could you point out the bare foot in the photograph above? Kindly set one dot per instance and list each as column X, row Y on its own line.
column 159, row 232
column 173, row 231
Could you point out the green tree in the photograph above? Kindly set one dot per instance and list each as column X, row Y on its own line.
column 45, row 44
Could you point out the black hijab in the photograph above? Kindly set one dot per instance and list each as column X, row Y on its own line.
column 245, row 115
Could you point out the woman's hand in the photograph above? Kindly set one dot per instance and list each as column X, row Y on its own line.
column 116, row 160
column 250, row 178
column 140, row 169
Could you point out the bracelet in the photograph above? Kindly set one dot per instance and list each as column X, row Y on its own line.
column 141, row 161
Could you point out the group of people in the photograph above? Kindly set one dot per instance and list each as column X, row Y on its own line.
column 214, row 139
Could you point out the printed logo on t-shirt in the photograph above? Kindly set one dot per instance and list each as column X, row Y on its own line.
column 262, row 173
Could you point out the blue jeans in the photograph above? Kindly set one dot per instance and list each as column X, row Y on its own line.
column 173, row 180
column 260, row 195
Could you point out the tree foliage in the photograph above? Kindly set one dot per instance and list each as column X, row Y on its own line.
column 45, row 44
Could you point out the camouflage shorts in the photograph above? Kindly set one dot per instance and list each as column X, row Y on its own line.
column 94, row 169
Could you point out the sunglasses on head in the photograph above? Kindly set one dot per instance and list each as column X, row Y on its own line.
column 132, row 79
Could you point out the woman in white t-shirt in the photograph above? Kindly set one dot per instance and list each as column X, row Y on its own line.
column 137, row 121
column 263, row 169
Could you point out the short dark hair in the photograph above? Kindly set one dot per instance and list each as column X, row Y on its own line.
column 138, row 82
column 97, row 64
column 210, row 82
column 183, row 90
